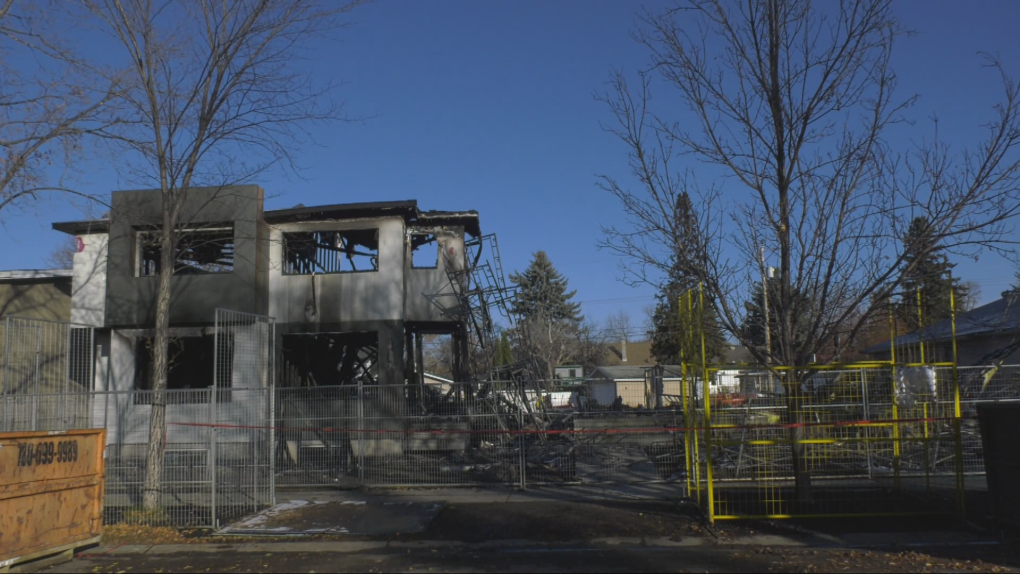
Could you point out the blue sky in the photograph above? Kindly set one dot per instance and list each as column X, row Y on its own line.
column 488, row 106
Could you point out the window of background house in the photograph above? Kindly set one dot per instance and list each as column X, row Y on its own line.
column 199, row 251
column 346, row 251
column 424, row 251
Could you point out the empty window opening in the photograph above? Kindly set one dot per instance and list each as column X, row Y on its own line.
column 437, row 355
column 191, row 361
column 424, row 251
column 330, row 359
column 346, row 251
column 199, row 252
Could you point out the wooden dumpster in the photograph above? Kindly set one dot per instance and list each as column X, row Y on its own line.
column 51, row 494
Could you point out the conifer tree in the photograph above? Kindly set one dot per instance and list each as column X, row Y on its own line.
column 542, row 290
column 930, row 272
column 675, row 334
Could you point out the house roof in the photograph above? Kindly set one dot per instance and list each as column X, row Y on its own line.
column 30, row 274
column 996, row 318
column 407, row 208
column 430, row 376
column 632, row 372
column 639, row 353
column 738, row 354
column 86, row 227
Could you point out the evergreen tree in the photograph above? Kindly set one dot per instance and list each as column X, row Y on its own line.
column 550, row 321
column 675, row 332
column 753, row 325
column 504, row 351
column 675, row 335
column 928, row 270
column 542, row 290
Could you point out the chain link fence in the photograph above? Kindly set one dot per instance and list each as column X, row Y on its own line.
column 729, row 444
column 869, row 440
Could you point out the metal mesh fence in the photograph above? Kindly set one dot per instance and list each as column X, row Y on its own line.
column 745, row 442
column 982, row 385
column 398, row 435
column 217, row 458
column 243, row 415
column 46, row 374
column 187, row 488
column 846, row 441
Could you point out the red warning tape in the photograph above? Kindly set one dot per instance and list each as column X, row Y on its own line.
column 859, row 423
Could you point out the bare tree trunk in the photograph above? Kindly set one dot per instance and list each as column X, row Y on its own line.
column 214, row 99
column 798, row 450
column 157, row 420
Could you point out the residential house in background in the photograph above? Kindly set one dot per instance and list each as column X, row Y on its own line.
column 36, row 294
column 622, row 352
column 986, row 335
column 34, row 339
column 567, row 375
column 633, row 386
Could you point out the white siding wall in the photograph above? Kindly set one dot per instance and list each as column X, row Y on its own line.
column 604, row 392
column 88, row 283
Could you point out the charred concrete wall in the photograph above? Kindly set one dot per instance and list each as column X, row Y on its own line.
column 429, row 288
column 131, row 299
column 348, row 297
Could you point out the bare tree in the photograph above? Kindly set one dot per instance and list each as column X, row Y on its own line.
column 648, row 320
column 62, row 256
column 618, row 326
column 554, row 342
column 438, row 355
column 786, row 106
column 50, row 101
column 218, row 99
column 972, row 294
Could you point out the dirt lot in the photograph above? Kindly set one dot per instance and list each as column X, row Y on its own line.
column 548, row 525
column 561, row 521
column 555, row 521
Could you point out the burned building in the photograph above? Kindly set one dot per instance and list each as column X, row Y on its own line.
column 353, row 288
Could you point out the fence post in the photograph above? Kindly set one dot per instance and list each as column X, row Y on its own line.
column 35, row 378
column 693, row 403
column 522, row 455
column 361, row 432
column 895, row 400
column 8, row 395
column 957, row 413
column 867, row 417
column 212, row 418
column 271, row 337
column 64, row 404
column 708, row 407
